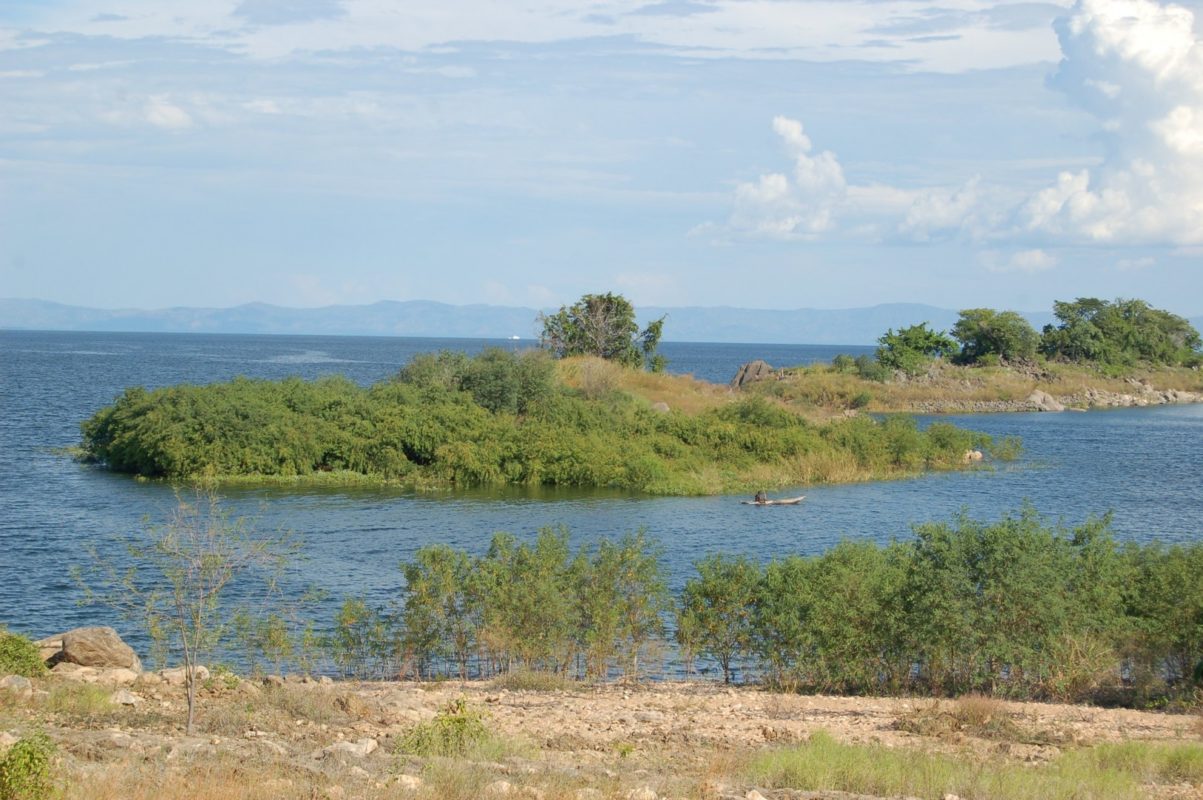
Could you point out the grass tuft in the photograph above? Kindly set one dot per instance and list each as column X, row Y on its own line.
column 533, row 681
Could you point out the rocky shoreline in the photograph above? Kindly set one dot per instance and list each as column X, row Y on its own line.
column 1142, row 395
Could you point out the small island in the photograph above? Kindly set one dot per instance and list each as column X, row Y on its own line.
column 1100, row 354
column 591, row 408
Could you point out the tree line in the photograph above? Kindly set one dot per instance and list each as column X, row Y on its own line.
column 1114, row 335
column 1014, row 608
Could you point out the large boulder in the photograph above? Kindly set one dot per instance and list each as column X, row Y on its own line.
column 98, row 647
column 1043, row 401
column 751, row 372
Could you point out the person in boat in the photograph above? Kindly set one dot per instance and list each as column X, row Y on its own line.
column 761, row 497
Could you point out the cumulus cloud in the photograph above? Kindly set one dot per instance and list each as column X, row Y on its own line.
column 1137, row 66
column 802, row 204
column 816, row 197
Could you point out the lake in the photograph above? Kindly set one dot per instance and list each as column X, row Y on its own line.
column 1144, row 465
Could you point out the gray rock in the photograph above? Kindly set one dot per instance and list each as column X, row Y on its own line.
column 410, row 783
column 178, row 676
column 751, row 372
column 499, row 789
column 1043, row 401
column 16, row 686
column 99, row 647
column 361, row 749
column 124, row 697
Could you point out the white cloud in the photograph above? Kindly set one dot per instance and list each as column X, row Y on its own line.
column 1025, row 261
column 781, row 207
column 1138, row 67
column 162, row 113
column 941, row 210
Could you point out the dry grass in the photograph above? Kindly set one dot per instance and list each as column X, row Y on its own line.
column 281, row 709
column 596, row 377
column 80, row 703
column 534, row 681
column 973, row 715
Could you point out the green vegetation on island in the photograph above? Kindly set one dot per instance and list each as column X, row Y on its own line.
column 1112, row 335
column 1099, row 353
column 511, row 418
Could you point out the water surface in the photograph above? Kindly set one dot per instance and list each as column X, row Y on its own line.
column 1144, row 465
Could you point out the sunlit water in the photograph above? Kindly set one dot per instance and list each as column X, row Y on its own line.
column 1144, row 465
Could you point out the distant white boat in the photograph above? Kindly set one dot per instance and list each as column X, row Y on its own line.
column 515, row 338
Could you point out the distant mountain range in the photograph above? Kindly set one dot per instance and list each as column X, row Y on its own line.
column 425, row 318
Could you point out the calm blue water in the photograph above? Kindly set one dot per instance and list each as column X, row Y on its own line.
column 1145, row 465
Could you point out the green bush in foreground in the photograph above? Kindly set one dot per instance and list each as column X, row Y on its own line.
column 455, row 731
column 19, row 656
column 25, row 770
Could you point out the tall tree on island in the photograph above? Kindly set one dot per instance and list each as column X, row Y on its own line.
column 603, row 325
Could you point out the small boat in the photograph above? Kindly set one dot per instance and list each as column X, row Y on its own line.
column 785, row 501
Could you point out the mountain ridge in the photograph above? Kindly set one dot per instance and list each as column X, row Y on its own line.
column 428, row 318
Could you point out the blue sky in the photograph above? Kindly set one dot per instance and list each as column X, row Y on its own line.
column 756, row 153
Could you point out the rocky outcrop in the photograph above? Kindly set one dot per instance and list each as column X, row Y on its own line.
column 1043, row 401
column 751, row 372
column 98, row 647
column 16, row 687
column 1040, row 400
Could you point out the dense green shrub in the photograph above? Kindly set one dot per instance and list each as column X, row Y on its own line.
column 494, row 419
column 1122, row 333
column 871, row 370
column 453, row 732
column 912, row 349
column 1011, row 608
column 717, row 608
column 25, row 770
column 984, row 333
column 19, row 656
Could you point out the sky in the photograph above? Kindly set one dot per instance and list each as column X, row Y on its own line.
column 752, row 153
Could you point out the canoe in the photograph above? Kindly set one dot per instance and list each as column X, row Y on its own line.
column 788, row 501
